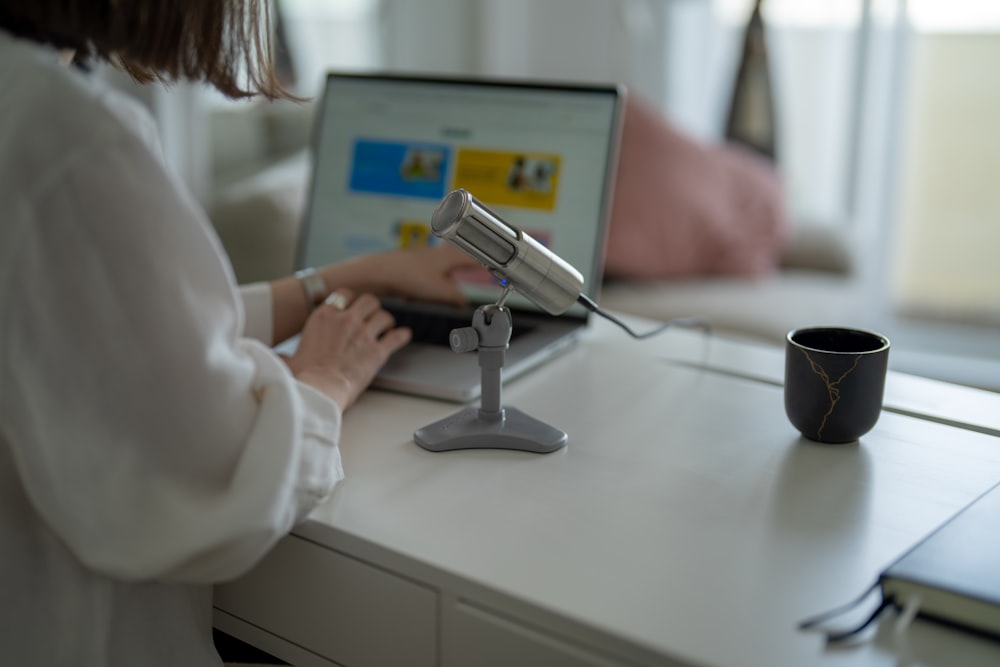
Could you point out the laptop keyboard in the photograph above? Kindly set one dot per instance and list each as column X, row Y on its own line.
column 435, row 327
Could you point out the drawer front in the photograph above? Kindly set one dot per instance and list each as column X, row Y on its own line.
column 336, row 606
column 474, row 635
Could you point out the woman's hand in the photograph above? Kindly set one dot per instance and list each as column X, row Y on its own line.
column 423, row 273
column 427, row 274
column 342, row 348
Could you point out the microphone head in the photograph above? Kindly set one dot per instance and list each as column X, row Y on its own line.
column 507, row 252
column 450, row 211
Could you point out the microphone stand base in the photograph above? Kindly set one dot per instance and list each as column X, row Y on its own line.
column 468, row 429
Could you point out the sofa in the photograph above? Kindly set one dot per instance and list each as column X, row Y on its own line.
column 770, row 279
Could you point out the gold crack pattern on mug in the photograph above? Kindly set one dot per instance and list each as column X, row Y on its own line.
column 832, row 388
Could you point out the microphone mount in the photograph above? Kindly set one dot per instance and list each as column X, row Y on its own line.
column 491, row 425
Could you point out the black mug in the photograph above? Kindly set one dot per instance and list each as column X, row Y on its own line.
column 834, row 381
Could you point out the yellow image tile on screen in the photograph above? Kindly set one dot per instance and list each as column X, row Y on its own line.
column 413, row 234
column 507, row 178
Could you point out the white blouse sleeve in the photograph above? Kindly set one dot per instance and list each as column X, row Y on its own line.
column 258, row 306
column 154, row 439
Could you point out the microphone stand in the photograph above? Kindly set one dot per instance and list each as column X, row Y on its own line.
column 490, row 426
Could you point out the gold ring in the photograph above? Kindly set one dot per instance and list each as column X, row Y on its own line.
column 337, row 300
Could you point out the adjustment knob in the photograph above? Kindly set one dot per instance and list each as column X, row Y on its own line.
column 464, row 339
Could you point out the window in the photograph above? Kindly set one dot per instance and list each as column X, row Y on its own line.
column 948, row 208
column 329, row 34
column 813, row 48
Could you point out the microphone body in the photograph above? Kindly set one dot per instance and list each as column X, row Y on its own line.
column 507, row 252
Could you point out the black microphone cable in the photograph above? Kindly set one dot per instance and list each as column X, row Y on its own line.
column 678, row 322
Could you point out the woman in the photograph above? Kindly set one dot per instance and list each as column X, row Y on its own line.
column 151, row 444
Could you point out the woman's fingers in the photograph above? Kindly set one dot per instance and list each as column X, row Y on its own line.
column 344, row 343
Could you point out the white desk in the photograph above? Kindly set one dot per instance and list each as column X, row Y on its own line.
column 684, row 523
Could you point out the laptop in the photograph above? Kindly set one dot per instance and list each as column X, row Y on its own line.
column 388, row 148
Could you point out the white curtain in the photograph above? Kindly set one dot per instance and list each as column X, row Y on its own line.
column 573, row 40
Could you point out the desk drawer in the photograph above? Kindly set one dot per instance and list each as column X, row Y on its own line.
column 336, row 606
column 474, row 635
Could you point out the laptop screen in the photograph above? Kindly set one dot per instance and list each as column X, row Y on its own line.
column 389, row 148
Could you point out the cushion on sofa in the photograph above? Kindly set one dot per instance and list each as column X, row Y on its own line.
column 683, row 208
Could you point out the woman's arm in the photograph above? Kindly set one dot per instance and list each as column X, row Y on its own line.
column 155, row 440
column 419, row 273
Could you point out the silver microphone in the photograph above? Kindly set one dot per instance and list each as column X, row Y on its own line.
column 507, row 252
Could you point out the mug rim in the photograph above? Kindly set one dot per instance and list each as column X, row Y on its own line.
column 833, row 328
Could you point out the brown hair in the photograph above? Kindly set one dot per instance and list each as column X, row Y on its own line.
column 226, row 43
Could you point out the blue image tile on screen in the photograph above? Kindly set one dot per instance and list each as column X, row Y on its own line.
column 399, row 168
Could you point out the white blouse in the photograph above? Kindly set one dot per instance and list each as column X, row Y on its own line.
column 148, row 448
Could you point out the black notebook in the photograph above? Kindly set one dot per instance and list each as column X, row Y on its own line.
column 955, row 570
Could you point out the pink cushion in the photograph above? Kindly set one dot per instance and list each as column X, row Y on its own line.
column 683, row 209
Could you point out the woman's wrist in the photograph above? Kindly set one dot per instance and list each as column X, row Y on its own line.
column 314, row 287
column 364, row 274
column 290, row 308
